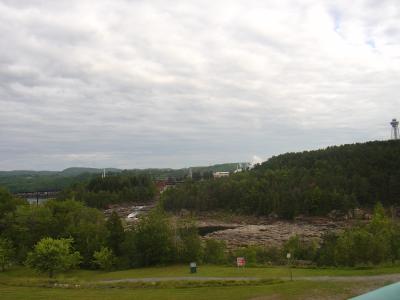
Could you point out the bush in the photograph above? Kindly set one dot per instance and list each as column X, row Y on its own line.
column 353, row 247
column 104, row 258
column 152, row 241
column 214, row 252
column 269, row 255
column 260, row 255
column 373, row 243
column 249, row 253
column 326, row 253
column 7, row 254
column 300, row 249
column 188, row 242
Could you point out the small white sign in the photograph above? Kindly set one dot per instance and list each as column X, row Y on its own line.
column 240, row 261
column 193, row 265
column 288, row 256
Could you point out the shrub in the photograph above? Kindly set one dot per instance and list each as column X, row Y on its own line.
column 373, row 243
column 104, row 258
column 7, row 254
column 249, row 253
column 326, row 253
column 188, row 242
column 300, row 249
column 269, row 255
column 214, row 252
column 152, row 241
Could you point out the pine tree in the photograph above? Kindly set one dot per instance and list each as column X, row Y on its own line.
column 116, row 233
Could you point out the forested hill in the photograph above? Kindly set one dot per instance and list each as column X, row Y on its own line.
column 311, row 183
column 24, row 181
column 356, row 158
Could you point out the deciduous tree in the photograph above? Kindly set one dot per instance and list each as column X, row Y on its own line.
column 53, row 255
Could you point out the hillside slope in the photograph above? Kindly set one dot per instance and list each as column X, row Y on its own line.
column 311, row 183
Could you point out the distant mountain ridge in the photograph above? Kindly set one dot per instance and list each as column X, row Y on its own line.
column 74, row 171
column 26, row 173
column 29, row 180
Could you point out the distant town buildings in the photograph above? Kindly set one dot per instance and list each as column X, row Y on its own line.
column 221, row 174
column 239, row 169
column 163, row 185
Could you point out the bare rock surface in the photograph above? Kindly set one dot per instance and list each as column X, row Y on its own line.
column 268, row 232
column 238, row 230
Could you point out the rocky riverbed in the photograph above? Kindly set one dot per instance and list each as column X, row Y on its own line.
column 129, row 212
column 238, row 231
column 267, row 233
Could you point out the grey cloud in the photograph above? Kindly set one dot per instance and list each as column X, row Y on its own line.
column 154, row 84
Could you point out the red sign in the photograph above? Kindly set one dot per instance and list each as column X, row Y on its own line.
column 240, row 261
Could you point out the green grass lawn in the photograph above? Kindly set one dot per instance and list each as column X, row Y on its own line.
column 221, row 271
column 206, row 271
column 287, row 290
column 23, row 283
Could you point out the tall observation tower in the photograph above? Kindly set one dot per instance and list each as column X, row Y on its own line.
column 395, row 129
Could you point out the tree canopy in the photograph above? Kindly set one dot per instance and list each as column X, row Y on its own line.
column 123, row 187
column 310, row 183
column 52, row 255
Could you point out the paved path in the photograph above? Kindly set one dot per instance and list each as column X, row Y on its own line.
column 372, row 278
column 385, row 277
column 184, row 278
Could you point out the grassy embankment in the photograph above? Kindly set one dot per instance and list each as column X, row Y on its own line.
column 22, row 283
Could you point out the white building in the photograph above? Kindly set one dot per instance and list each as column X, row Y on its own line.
column 220, row 174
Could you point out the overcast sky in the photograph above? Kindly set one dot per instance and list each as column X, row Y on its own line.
column 143, row 83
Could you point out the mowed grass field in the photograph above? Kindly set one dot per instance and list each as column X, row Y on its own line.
column 23, row 283
column 202, row 271
column 287, row 290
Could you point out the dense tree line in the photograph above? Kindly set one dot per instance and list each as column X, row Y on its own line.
column 25, row 225
column 60, row 235
column 119, row 188
column 310, row 183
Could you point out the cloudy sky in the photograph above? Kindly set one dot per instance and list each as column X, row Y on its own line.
column 152, row 83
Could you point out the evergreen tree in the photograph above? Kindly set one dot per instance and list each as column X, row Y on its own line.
column 116, row 234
